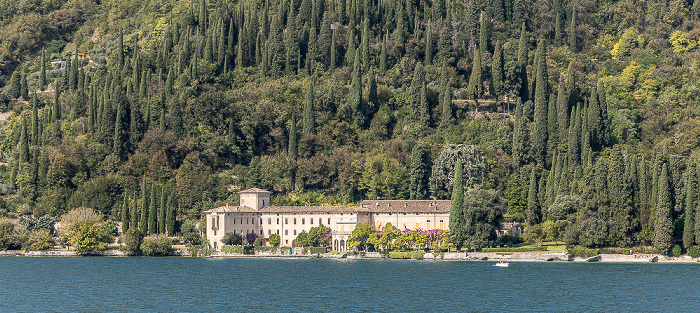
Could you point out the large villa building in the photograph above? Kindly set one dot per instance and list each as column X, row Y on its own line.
column 255, row 215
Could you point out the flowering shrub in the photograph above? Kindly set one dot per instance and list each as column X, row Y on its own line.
column 391, row 238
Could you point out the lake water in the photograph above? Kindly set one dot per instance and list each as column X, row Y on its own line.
column 89, row 284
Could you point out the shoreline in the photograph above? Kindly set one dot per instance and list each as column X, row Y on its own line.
column 447, row 256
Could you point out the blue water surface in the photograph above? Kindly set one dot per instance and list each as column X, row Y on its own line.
column 135, row 284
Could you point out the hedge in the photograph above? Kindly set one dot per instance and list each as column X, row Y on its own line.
column 581, row 251
column 237, row 249
column 516, row 249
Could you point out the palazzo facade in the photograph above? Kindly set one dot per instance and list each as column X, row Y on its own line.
column 255, row 215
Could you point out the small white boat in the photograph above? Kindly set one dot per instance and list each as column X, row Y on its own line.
column 501, row 264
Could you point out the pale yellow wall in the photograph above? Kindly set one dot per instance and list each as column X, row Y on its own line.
column 255, row 200
column 289, row 231
column 411, row 220
column 230, row 222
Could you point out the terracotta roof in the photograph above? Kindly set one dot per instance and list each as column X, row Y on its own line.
column 313, row 209
column 254, row 190
column 408, row 206
column 225, row 209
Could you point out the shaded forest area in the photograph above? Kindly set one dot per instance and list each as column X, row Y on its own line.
column 582, row 115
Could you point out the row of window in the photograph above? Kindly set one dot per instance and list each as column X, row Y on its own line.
column 248, row 231
column 429, row 225
column 303, row 221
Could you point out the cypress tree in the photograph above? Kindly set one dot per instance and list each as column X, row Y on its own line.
column 24, row 89
column 572, row 30
column 445, row 43
column 170, row 215
column 383, row 58
column 419, row 104
column 42, row 78
column 518, row 12
column 603, row 105
column 14, row 90
column 575, row 136
column 209, row 48
column 497, row 71
column 143, row 224
column 690, row 199
column 153, row 212
column 446, row 116
column 229, row 39
column 239, row 51
column 291, row 42
column 522, row 63
column 133, row 211
column 520, row 136
column 532, row 204
column 125, row 215
column 483, row 36
column 539, row 137
column 456, row 214
column 350, row 52
column 475, row 87
column 663, row 226
column 292, row 146
column 594, row 121
column 400, row 31
column 365, row 45
column 311, row 54
column 161, row 212
column 202, row 20
column 119, row 134
column 562, row 108
column 420, row 172
column 334, row 52
column 56, row 103
column 221, row 48
column 428, row 44
column 308, row 116
column 372, row 97
column 35, row 122
column 356, row 94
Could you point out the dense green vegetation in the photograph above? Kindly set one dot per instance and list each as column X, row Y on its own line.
column 183, row 102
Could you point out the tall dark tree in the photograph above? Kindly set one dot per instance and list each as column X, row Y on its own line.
column 134, row 211
column 522, row 63
column 143, row 222
column 521, row 137
column 161, row 211
column 475, row 87
column 456, row 213
column 532, row 200
column 539, row 133
column 292, row 146
column 420, row 172
column 446, row 114
column 153, row 212
column 663, row 225
column 419, row 105
column 689, row 215
column 572, row 29
column 42, row 77
column 125, row 214
column 355, row 98
column 24, row 88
